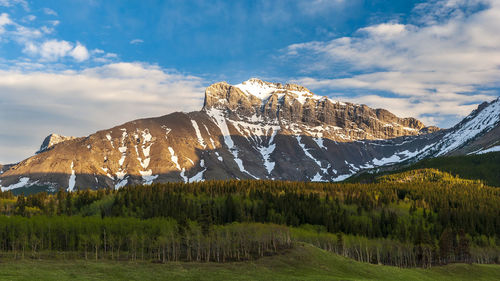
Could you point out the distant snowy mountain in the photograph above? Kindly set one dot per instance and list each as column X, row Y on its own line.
column 477, row 133
column 253, row 130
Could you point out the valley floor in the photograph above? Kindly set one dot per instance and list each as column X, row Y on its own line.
column 304, row 262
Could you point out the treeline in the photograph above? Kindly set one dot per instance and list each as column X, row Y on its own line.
column 158, row 239
column 451, row 247
column 164, row 240
column 418, row 218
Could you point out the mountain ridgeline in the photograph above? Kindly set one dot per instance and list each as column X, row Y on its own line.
column 253, row 130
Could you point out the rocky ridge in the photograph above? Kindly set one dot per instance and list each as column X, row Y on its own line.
column 52, row 140
column 298, row 110
column 254, row 130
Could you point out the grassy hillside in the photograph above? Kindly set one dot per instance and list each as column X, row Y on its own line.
column 304, row 262
column 484, row 167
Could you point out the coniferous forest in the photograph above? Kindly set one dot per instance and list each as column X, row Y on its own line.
column 418, row 218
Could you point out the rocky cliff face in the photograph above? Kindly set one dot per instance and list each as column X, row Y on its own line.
column 254, row 130
column 52, row 140
column 298, row 109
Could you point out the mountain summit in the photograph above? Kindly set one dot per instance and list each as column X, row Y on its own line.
column 52, row 140
column 298, row 110
column 253, row 130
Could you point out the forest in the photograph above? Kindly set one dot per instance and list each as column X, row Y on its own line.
column 484, row 167
column 418, row 218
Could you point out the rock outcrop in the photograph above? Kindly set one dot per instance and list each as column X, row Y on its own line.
column 52, row 140
column 296, row 106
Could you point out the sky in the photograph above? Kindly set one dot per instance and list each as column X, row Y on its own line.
column 74, row 67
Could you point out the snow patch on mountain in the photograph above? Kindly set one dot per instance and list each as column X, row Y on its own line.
column 211, row 140
column 257, row 134
column 183, row 175
column 198, row 134
column 472, row 126
column 174, row 158
column 306, row 152
column 387, row 160
column 121, row 183
column 266, row 151
column 146, row 144
column 199, row 175
column 167, row 130
column 317, row 177
column 320, row 142
column 148, row 177
column 24, row 181
column 221, row 122
column 491, row 149
column 107, row 173
column 72, row 179
column 264, row 90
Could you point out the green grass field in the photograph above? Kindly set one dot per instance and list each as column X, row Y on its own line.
column 304, row 262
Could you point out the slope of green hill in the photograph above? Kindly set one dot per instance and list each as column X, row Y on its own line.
column 425, row 175
column 304, row 262
column 484, row 167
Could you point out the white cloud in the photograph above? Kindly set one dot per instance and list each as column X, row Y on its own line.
column 36, row 103
column 436, row 66
column 11, row 3
column 37, row 43
column 47, row 30
column 53, row 50
column 30, row 18
column 4, row 20
column 136, row 41
column 385, row 30
column 49, row 12
column 80, row 52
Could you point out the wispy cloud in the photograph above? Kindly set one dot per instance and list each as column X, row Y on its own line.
column 11, row 3
column 49, row 12
column 136, row 41
column 314, row 7
column 436, row 65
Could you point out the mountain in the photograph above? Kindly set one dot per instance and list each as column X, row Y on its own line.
column 251, row 130
column 477, row 133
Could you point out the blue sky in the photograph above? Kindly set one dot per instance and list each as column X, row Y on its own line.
column 73, row 67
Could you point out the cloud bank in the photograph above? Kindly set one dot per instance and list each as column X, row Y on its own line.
column 35, row 104
column 441, row 63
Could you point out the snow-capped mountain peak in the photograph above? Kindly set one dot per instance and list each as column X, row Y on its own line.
column 264, row 90
column 479, row 122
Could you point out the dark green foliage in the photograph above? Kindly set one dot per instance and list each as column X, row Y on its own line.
column 484, row 167
column 157, row 239
column 423, row 217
